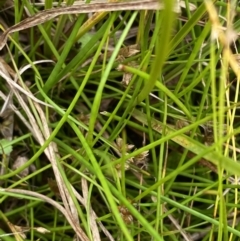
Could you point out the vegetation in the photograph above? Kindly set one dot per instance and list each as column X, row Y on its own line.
column 119, row 120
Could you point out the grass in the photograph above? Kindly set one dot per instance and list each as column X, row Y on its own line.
column 123, row 125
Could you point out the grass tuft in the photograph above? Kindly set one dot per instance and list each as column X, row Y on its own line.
column 119, row 120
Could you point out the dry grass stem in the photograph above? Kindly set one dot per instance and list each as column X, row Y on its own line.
column 47, row 15
column 77, row 228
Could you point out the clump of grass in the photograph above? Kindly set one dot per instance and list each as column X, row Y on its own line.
column 119, row 125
